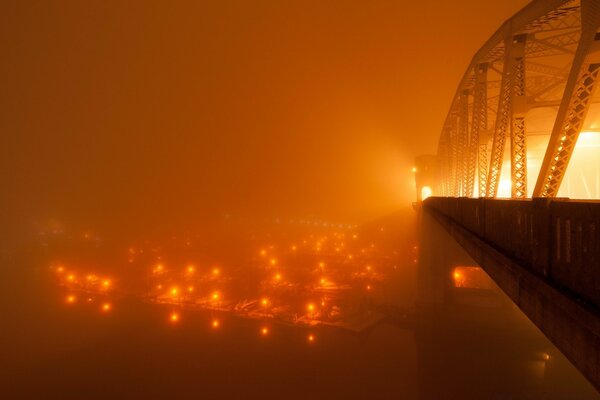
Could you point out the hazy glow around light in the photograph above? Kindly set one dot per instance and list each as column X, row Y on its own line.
column 504, row 188
column 588, row 139
column 174, row 317
column 426, row 192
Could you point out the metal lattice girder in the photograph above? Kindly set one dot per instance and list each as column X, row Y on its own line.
column 463, row 140
column 555, row 24
column 563, row 17
column 478, row 142
column 502, row 118
column 575, row 103
column 545, row 69
column 518, row 109
column 441, row 164
column 558, row 44
column 542, row 87
column 454, row 151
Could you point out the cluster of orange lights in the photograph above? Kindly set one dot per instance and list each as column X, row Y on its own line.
column 181, row 286
column 174, row 317
column 90, row 279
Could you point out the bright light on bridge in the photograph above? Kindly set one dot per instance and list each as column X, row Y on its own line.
column 426, row 192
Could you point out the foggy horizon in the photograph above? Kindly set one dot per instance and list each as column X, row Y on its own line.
column 226, row 199
column 123, row 116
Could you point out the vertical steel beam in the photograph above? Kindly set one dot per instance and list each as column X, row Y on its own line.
column 463, row 140
column 518, row 110
column 574, row 105
column 443, row 164
column 454, row 151
column 478, row 141
column 502, row 117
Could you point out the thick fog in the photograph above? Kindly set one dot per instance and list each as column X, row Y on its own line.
column 129, row 116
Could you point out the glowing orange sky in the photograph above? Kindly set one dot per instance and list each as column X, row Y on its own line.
column 178, row 110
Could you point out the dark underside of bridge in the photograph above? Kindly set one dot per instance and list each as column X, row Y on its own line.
column 545, row 255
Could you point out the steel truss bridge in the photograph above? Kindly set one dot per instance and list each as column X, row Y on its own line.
column 540, row 69
column 545, row 56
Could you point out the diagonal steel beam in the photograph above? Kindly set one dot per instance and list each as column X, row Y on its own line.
column 518, row 110
column 574, row 105
column 502, row 118
column 478, row 144
column 463, row 140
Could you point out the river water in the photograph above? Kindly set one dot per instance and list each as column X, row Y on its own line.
column 476, row 346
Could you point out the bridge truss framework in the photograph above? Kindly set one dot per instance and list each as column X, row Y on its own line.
column 547, row 55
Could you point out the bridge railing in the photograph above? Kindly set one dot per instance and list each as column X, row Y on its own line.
column 558, row 239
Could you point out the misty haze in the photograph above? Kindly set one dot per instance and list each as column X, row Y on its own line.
column 299, row 200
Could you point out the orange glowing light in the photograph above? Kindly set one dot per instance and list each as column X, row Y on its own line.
column 61, row 269
column 311, row 338
column 216, row 271
column 368, row 287
column 294, row 248
column 216, row 295
column 369, row 268
column 89, row 299
column 190, row 269
column 273, row 261
column 322, row 281
column 159, row 287
column 174, row 291
column 71, row 278
column 263, row 252
column 174, row 317
column 457, row 275
column 106, row 307
column 71, row 299
column 215, row 323
column 277, row 277
column 190, row 289
column 264, row 331
column 264, row 302
column 310, row 307
column 546, row 356
column 106, row 283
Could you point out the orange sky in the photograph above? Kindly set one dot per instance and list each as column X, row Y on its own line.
column 181, row 110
